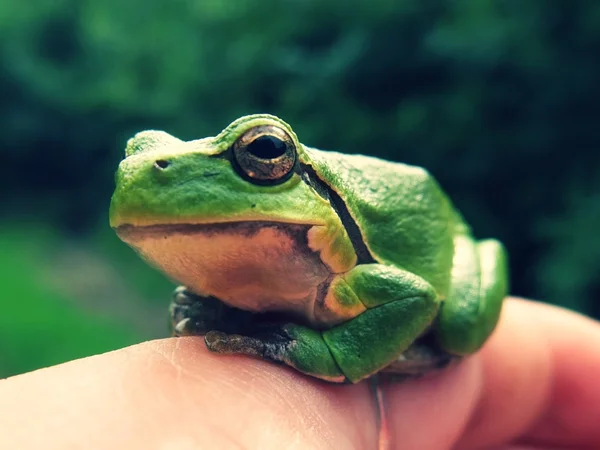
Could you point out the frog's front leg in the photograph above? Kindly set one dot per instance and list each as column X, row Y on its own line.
column 192, row 314
column 397, row 307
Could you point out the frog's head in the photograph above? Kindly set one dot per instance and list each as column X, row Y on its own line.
column 241, row 191
column 246, row 173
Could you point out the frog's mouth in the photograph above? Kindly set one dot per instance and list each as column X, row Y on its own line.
column 129, row 233
column 257, row 266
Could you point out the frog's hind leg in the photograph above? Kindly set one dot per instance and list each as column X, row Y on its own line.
column 479, row 284
column 398, row 307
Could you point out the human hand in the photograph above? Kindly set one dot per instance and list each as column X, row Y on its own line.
column 536, row 383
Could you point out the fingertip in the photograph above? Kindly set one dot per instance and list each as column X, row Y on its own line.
column 571, row 416
column 431, row 412
column 517, row 373
column 489, row 398
column 540, row 380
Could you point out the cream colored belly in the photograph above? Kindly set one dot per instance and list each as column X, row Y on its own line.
column 257, row 267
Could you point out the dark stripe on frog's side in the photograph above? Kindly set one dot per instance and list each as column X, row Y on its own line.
column 310, row 177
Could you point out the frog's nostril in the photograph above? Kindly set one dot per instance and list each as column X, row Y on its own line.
column 161, row 164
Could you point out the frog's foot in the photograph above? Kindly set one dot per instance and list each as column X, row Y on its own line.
column 297, row 346
column 190, row 312
column 193, row 315
column 420, row 358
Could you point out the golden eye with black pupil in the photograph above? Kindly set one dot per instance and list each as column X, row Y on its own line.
column 265, row 154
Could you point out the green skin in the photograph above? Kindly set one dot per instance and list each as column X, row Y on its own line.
column 344, row 267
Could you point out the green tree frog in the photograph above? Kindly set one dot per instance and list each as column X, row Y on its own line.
column 340, row 266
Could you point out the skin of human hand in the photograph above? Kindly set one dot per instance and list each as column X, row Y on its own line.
column 536, row 384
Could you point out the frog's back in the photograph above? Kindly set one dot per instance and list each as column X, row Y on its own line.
column 404, row 217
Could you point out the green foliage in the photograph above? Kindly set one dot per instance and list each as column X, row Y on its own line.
column 569, row 268
column 39, row 325
column 498, row 99
column 141, row 281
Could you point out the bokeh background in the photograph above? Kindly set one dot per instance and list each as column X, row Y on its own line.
column 497, row 98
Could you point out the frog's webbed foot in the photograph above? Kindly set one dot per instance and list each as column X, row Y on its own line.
column 194, row 315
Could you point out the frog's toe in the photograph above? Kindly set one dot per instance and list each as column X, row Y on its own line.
column 182, row 296
column 183, row 328
column 192, row 315
column 181, row 319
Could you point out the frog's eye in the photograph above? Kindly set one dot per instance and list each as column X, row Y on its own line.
column 265, row 154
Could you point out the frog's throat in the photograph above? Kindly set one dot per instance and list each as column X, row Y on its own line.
column 256, row 266
column 246, row 232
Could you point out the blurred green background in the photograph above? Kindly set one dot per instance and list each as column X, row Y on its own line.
column 498, row 99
